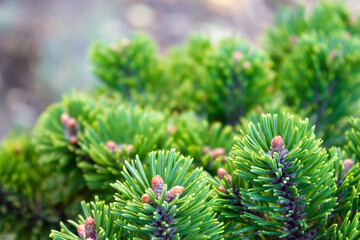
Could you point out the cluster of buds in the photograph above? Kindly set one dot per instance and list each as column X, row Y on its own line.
column 348, row 163
column 215, row 153
column 87, row 230
column 222, row 173
column 157, row 185
column 71, row 128
column 278, row 146
column 112, row 146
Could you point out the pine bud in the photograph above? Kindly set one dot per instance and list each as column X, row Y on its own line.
column 277, row 144
column 128, row 148
column 206, row 149
column 333, row 54
column 228, row 176
column 293, row 39
column 348, row 163
column 171, row 129
column 221, row 172
column 170, row 195
column 115, row 47
column 222, row 189
column 125, row 42
column 217, row 152
column 64, row 118
column 145, row 198
column 111, row 146
column 352, row 19
column 246, row 65
column 73, row 140
column 237, row 55
column 90, row 228
column 71, row 123
column 157, row 185
column 81, row 231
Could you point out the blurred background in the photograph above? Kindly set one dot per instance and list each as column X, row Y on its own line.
column 44, row 44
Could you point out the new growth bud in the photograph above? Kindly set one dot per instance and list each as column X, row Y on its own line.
column 111, row 146
column 237, row 55
column 222, row 189
column 221, row 172
column 171, row 129
column 81, row 231
column 64, row 118
column 246, row 65
column 293, row 39
column 348, row 163
column 125, row 42
column 215, row 153
column 90, row 228
column 277, row 144
column 170, row 195
column 115, row 47
column 128, row 148
column 71, row 128
column 145, row 198
column 157, row 185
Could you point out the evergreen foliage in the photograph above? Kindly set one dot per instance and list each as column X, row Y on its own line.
column 23, row 202
column 322, row 76
column 245, row 166
column 98, row 212
column 327, row 18
column 119, row 134
column 166, row 202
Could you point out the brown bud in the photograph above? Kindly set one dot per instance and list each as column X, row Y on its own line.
column 228, row 176
column 81, row 231
column 333, row 54
column 73, row 140
column 145, row 198
column 115, row 47
column 348, row 163
column 64, row 118
column 171, row 129
column 221, row 172
column 277, row 144
column 352, row 20
column 90, row 228
column 128, row 148
column 293, row 39
column 157, row 185
column 206, row 149
column 170, row 195
column 71, row 123
column 246, row 65
column 125, row 42
column 237, row 55
column 222, row 189
column 217, row 152
column 111, row 146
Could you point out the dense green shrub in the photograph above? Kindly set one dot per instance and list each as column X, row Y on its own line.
column 245, row 164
